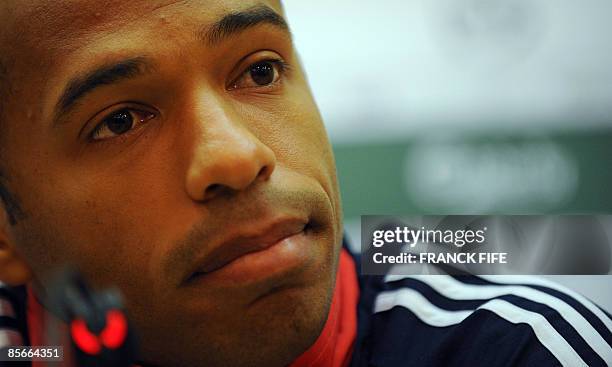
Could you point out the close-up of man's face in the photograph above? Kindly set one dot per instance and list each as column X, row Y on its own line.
column 172, row 149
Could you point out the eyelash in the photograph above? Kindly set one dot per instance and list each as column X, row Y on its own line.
column 142, row 117
column 281, row 67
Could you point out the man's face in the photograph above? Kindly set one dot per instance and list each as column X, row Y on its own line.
column 153, row 144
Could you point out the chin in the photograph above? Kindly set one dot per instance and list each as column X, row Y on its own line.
column 273, row 331
column 294, row 319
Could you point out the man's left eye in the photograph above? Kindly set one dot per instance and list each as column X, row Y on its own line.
column 120, row 122
column 260, row 74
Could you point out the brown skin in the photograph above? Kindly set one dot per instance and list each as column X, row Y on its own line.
column 211, row 159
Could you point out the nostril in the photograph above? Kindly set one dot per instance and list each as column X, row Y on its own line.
column 264, row 173
column 213, row 190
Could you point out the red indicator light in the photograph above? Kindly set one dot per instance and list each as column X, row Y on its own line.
column 83, row 338
column 115, row 331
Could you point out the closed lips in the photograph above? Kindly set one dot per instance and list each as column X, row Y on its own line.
column 259, row 238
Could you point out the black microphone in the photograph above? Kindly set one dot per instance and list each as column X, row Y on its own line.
column 100, row 332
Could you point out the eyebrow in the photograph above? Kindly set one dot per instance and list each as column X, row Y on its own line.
column 236, row 22
column 81, row 85
column 229, row 25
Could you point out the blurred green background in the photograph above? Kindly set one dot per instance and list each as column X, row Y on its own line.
column 478, row 174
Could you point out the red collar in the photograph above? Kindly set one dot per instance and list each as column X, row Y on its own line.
column 333, row 348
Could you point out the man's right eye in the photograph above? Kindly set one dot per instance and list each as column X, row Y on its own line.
column 120, row 122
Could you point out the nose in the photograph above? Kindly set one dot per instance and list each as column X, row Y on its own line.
column 226, row 157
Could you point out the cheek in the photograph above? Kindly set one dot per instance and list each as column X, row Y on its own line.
column 293, row 129
column 313, row 149
column 111, row 226
column 305, row 148
column 80, row 232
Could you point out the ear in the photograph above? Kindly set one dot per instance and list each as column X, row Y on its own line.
column 14, row 270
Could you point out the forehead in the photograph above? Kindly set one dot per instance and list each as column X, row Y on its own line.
column 50, row 26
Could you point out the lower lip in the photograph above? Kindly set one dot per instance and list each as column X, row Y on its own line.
column 285, row 256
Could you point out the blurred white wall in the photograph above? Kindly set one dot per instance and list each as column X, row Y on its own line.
column 383, row 68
